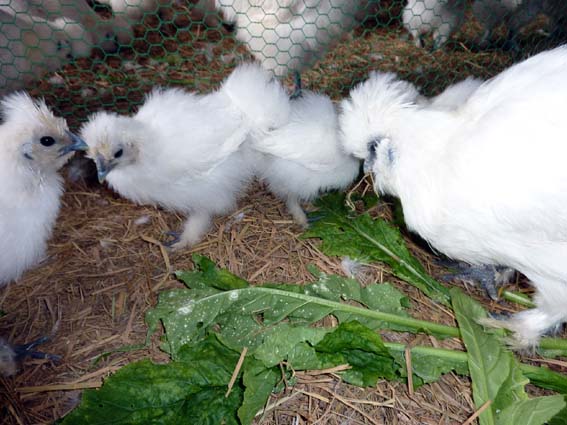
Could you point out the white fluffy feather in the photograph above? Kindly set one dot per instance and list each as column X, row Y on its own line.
column 184, row 151
column 303, row 158
column 485, row 183
column 31, row 187
column 456, row 94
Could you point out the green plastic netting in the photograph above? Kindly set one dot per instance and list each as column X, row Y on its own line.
column 83, row 56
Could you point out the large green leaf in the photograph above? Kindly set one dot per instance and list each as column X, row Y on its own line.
column 367, row 239
column 173, row 393
column 495, row 372
column 242, row 315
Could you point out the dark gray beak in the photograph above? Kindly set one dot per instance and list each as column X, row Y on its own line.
column 103, row 168
column 77, row 144
column 371, row 157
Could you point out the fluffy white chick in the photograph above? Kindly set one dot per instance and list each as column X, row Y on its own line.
column 183, row 151
column 34, row 145
column 485, row 183
column 289, row 35
column 304, row 157
column 440, row 18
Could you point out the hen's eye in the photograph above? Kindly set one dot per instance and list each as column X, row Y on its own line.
column 118, row 153
column 47, row 141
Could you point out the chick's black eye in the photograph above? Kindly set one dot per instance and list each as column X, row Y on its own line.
column 118, row 153
column 47, row 141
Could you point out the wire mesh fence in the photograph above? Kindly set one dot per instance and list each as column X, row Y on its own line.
column 84, row 55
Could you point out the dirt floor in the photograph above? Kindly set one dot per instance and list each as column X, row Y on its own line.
column 105, row 265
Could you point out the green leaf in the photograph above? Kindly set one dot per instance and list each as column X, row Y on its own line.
column 534, row 411
column 148, row 393
column 368, row 239
column 358, row 346
column 241, row 315
column 207, row 274
column 259, row 382
column 495, row 372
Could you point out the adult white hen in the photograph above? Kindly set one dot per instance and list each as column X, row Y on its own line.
column 304, row 157
column 286, row 35
column 184, row 151
column 34, row 145
column 485, row 183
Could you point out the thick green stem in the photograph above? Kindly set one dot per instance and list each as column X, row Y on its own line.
column 542, row 377
column 517, row 298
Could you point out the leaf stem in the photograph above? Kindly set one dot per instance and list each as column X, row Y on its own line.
column 533, row 373
column 517, row 298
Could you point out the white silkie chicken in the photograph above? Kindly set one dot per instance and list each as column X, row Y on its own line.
column 290, row 35
column 183, row 151
column 456, row 94
column 304, row 157
column 31, row 46
column 34, row 145
column 485, row 183
column 440, row 18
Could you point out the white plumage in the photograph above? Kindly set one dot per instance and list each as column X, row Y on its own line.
column 440, row 18
column 286, row 35
column 33, row 143
column 485, row 183
column 456, row 94
column 184, row 151
column 303, row 158
column 31, row 46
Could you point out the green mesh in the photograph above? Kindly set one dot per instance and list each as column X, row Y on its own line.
column 84, row 56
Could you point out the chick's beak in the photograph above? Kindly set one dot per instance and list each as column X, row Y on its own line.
column 103, row 167
column 77, row 144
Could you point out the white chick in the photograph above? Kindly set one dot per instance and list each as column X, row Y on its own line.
column 183, row 151
column 486, row 183
column 491, row 13
column 35, row 145
column 456, row 94
column 31, row 46
column 303, row 158
column 289, row 35
column 441, row 18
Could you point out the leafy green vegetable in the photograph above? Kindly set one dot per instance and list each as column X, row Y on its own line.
column 208, row 325
column 495, row 372
column 368, row 239
column 358, row 346
column 242, row 315
column 173, row 393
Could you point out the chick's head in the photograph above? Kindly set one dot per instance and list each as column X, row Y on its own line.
column 372, row 112
column 113, row 141
column 39, row 139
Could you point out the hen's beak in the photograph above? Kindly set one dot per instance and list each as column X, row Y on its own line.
column 371, row 157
